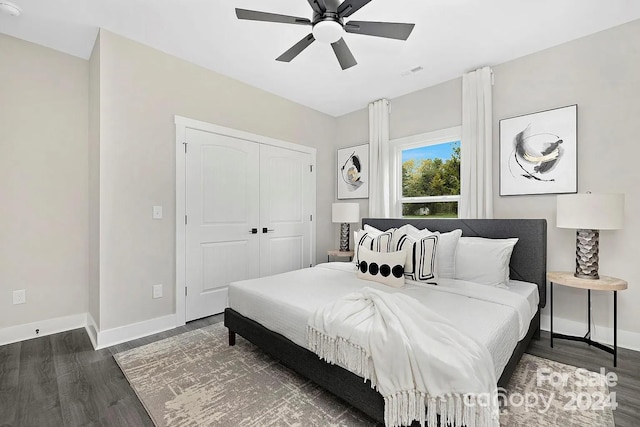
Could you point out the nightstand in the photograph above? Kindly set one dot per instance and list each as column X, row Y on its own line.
column 339, row 254
column 604, row 283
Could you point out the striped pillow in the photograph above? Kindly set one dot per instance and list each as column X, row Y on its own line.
column 420, row 263
column 378, row 242
column 447, row 245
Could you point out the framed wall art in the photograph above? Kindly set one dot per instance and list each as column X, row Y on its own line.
column 539, row 153
column 353, row 172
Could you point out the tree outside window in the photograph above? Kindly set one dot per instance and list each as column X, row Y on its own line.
column 431, row 180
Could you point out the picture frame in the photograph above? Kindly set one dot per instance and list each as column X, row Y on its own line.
column 539, row 153
column 353, row 172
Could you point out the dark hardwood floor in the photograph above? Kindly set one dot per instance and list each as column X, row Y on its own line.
column 580, row 354
column 59, row 380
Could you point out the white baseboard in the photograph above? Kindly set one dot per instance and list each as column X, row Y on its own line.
column 45, row 327
column 604, row 335
column 109, row 337
column 92, row 330
column 99, row 339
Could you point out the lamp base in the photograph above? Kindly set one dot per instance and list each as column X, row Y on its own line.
column 344, row 237
column 587, row 246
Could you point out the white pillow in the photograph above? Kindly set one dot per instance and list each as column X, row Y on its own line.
column 484, row 261
column 373, row 239
column 421, row 256
column 374, row 230
column 382, row 267
column 447, row 244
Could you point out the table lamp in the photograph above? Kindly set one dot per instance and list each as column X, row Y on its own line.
column 589, row 213
column 345, row 213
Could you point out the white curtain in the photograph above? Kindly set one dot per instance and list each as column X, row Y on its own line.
column 476, row 171
column 379, row 182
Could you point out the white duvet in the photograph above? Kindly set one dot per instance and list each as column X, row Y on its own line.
column 498, row 318
column 413, row 356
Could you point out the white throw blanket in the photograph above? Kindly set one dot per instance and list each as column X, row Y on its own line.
column 414, row 357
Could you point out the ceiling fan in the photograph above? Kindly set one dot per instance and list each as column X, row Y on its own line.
column 328, row 26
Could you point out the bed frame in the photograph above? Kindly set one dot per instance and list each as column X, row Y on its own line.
column 528, row 263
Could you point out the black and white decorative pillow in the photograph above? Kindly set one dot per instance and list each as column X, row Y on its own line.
column 382, row 267
column 447, row 245
column 377, row 241
column 420, row 261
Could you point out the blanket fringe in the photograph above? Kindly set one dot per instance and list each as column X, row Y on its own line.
column 342, row 352
column 455, row 410
column 404, row 407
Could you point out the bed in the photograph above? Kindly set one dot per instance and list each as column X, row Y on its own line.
column 269, row 326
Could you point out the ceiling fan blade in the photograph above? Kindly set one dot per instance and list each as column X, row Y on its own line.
column 254, row 15
column 390, row 30
column 296, row 49
column 318, row 6
column 349, row 7
column 344, row 55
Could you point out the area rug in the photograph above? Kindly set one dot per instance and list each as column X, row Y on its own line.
column 197, row 379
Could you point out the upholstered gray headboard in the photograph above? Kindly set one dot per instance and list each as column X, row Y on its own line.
column 529, row 258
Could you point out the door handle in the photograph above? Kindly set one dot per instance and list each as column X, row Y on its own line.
column 253, row 231
column 267, row 230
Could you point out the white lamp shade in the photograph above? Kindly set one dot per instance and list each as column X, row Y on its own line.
column 345, row 212
column 590, row 211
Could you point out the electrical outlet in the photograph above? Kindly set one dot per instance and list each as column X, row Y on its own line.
column 20, row 297
column 157, row 212
column 157, row 291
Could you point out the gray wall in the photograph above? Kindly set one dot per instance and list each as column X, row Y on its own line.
column 94, row 184
column 87, row 148
column 43, row 182
column 63, row 197
column 141, row 89
column 600, row 74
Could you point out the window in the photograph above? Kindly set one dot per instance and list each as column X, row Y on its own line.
column 427, row 175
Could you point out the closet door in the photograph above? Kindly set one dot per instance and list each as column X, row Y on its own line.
column 286, row 197
column 222, row 206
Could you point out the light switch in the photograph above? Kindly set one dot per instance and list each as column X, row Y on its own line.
column 157, row 212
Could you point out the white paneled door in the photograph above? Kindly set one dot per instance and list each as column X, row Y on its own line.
column 222, row 205
column 248, row 208
column 285, row 198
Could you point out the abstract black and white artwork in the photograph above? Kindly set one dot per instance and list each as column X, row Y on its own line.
column 353, row 172
column 538, row 153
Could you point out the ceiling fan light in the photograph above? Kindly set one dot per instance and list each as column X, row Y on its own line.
column 327, row 31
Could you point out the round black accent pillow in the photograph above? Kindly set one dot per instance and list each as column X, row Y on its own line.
column 373, row 269
column 363, row 267
column 398, row 271
column 385, row 270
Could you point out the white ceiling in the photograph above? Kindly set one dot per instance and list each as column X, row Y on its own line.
column 450, row 38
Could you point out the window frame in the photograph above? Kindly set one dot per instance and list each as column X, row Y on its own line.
column 398, row 145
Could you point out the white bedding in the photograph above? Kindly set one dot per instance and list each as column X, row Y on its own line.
column 496, row 317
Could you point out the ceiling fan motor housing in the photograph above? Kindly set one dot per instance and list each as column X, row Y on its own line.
column 331, row 6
